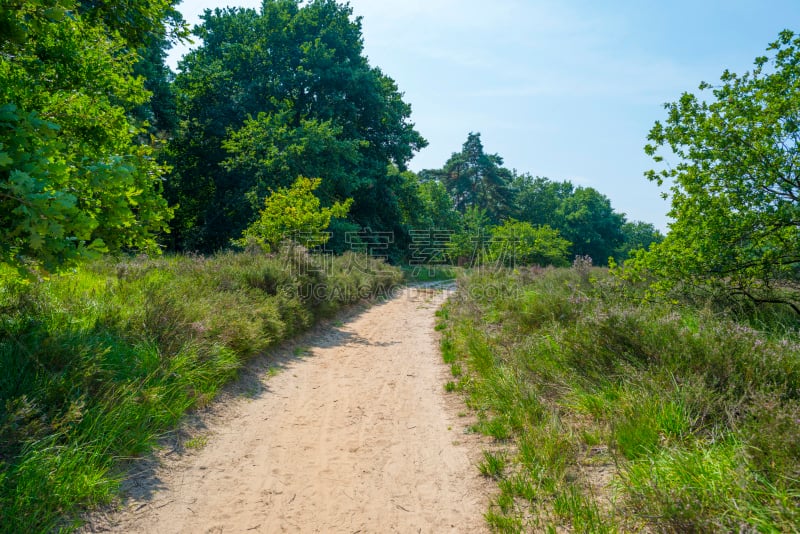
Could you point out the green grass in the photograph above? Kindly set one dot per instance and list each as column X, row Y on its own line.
column 430, row 273
column 684, row 416
column 492, row 464
column 197, row 442
column 98, row 363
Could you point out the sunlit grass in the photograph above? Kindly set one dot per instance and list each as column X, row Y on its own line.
column 685, row 418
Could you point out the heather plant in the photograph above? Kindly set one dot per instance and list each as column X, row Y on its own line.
column 618, row 414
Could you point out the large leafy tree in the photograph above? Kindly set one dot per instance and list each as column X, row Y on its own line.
column 735, row 183
column 591, row 224
column 539, row 200
column 475, row 179
column 582, row 215
column 292, row 79
column 268, row 152
column 75, row 179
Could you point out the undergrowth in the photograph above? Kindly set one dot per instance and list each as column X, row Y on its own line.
column 97, row 364
column 618, row 415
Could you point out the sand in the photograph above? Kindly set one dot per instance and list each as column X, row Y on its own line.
column 347, row 430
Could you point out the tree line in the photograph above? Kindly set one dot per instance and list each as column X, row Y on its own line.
column 104, row 149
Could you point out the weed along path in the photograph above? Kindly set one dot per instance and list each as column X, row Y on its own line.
column 355, row 435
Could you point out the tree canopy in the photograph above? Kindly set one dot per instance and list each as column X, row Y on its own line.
column 735, row 187
column 581, row 216
column 275, row 94
column 75, row 180
column 103, row 148
column 475, row 179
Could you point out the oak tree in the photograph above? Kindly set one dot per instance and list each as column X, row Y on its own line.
column 735, row 185
column 277, row 93
column 75, row 178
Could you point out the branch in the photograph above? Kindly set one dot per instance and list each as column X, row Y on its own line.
column 757, row 300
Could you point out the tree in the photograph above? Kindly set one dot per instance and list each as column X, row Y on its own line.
column 735, row 184
column 475, row 179
column 468, row 244
column 160, row 111
column 293, row 213
column 137, row 22
column 637, row 235
column 539, row 200
column 75, row 181
column 438, row 207
column 520, row 243
column 271, row 153
column 426, row 205
column 591, row 225
column 294, row 77
column 581, row 214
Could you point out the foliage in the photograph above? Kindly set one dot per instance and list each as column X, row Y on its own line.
column 468, row 244
column 293, row 213
column 135, row 21
column 539, row 200
column 437, row 206
column 520, row 243
column 98, row 364
column 582, row 215
column 160, row 111
column 275, row 94
column 274, row 153
column 591, row 225
column 74, row 180
column 618, row 415
column 475, row 179
column 735, row 187
column 637, row 235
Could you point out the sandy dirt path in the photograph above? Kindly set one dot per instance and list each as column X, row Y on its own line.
column 356, row 436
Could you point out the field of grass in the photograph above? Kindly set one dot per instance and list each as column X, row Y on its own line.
column 614, row 415
column 97, row 364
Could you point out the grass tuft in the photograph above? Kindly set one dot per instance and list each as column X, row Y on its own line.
column 492, row 464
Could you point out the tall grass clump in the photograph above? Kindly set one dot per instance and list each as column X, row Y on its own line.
column 98, row 363
column 619, row 414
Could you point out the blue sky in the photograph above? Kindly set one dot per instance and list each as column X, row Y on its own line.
column 564, row 89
